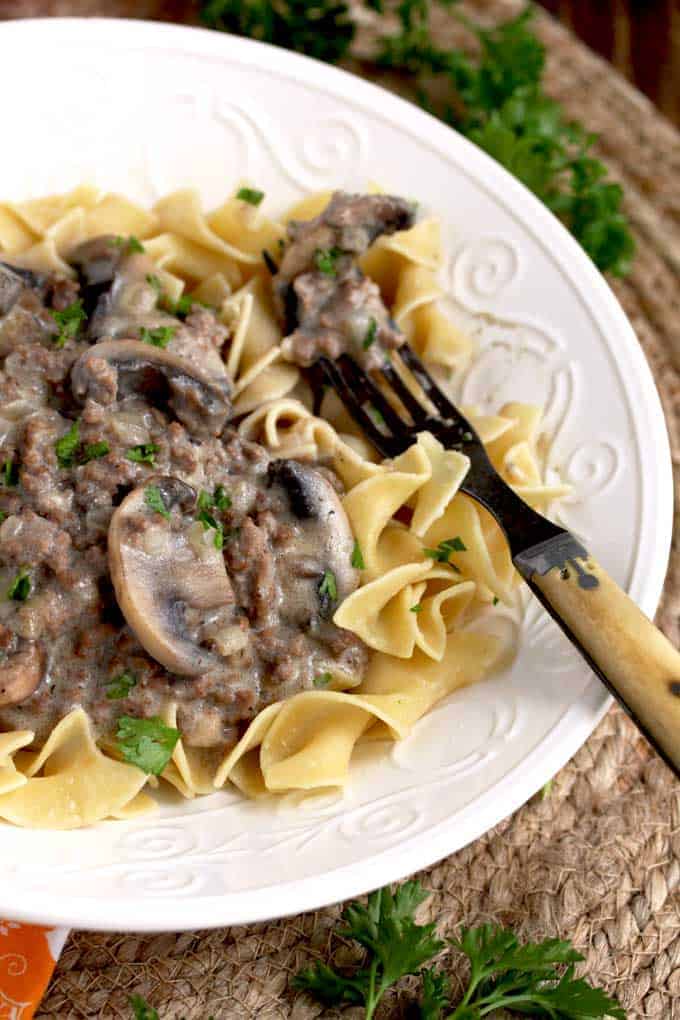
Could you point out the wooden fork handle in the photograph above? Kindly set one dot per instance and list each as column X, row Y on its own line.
column 633, row 658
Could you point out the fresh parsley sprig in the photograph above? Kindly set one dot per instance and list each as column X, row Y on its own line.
column 535, row 979
column 494, row 96
column 395, row 943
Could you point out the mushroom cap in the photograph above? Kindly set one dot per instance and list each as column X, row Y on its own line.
column 325, row 529
column 21, row 673
column 113, row 369
column 162, row 571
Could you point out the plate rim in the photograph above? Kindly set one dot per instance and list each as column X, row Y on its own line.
column 420, row 851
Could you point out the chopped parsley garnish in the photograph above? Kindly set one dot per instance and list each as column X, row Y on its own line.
column 132, row 243
column 357, row 557
column 323, row 679
column 69, row 451
column 93, row 451
column 159, row 336
column 416, row 609
column 329, row 586
column 3, row 516
column 496, row 600
column 154, row 282
column 371, row 334
column 222, row 500
column 444, row 550
column 183, row 305
column 10, row 473
column 250, row 195
column 142, row 453
column 20, row 588
column 120, row 686
column 378, row 415
column 218, row 499
column 146, row 743
column 69, row 322
column 154, row 500
column 67, row 447
column 325, row 259
column 208, row 522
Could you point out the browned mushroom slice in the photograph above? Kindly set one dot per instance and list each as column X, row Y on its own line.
column 115, row 369
column 20, row 674
column 168, row 576
column 322, row 549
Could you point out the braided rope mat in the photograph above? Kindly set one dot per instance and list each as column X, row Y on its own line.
column 598, row 860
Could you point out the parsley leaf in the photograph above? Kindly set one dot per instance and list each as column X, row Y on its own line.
column 323, row 679
column 10, row 472
column 67, row 447
column 120, row 686
column 93, row 451
column 159, row 336
column 155, row 282
column 325, row 259
column 329, row 586
column 154, row 500
column 250, row 195
column 436, row 995
column 395, row 943
column 20, row 588
column 322, row 29
column 141, row 1009
column 132, row 244
column 208, row 522
column 222, row 500
column 219, row 499
column 444, row 550
column 371, row 334
column 357, row 557
column 146, row 743
column 417, row 608
column 69, row 322
column 142, row 453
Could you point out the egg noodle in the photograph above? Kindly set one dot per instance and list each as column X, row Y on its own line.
column 411, row 610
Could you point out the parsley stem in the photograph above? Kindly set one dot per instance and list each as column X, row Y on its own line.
column 373, row 997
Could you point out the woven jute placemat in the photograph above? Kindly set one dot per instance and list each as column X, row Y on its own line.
column 596, row 861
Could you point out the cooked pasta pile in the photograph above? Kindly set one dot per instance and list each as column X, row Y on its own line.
column 431, row 560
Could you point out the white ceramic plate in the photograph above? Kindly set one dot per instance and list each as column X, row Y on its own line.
column 145, row 108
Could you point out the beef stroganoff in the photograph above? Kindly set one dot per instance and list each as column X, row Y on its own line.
column 207, row 574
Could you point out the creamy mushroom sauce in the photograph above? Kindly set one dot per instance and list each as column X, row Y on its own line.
column 221, row 632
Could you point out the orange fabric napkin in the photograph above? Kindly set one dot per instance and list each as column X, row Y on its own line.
column 28, row 954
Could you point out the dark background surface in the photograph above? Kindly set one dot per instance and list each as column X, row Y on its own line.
column 640, row 37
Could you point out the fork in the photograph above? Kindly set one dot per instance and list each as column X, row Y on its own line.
column 630, row 655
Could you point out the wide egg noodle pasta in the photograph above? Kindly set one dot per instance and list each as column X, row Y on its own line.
column 307, row 742
column 409, row 609
column 10, row 776
column 70, row 781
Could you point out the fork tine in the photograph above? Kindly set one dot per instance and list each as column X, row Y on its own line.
column 388, row 446
column 441, row 402
column 408, row 399
column 361, row 384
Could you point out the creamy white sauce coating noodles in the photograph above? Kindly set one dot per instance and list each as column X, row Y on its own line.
column 201, row 579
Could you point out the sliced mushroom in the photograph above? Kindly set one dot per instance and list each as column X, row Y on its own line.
column 96, row 261
column 115, row 369
column 324, row 543
column 20, row 674
column 165, row 577
column 13, row 280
